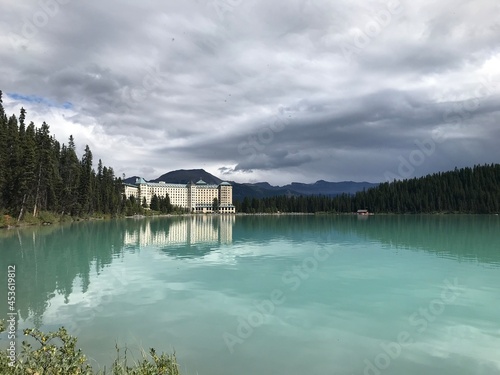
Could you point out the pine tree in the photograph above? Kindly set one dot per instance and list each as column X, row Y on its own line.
column 85, row 189
column 46, row 173
column 27, row 178
column 100, row 193
column 13, row 165
column 69, row 168
column 155, row 203
column 3, row 151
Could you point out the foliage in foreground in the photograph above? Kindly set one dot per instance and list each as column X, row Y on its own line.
column 55, row 353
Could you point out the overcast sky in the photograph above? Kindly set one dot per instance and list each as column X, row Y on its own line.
column 252, row 90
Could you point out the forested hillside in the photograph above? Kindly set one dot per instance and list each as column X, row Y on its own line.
column 38, row 174
column 466, row 190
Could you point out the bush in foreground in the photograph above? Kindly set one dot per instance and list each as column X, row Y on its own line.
column 55, row 353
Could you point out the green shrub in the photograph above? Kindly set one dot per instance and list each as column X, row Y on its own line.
column 5, row 220
column 55, row 353
column 65, row 219
column 154, row 365
column 29, row 219
column 46, row 217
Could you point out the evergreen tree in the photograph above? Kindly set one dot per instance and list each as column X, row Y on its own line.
column 85, row 190
column 13, row 164
column 47, row 174
column 99, row 188
column 3, row 152
column 164, row 204
column 70, row 171
column 26, row 181
column 155, row 203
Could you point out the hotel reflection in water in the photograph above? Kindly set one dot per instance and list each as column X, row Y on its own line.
column 192, row 230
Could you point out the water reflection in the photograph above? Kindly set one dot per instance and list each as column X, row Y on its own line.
column 49, row 259
column 472, row 238
column 198, row 229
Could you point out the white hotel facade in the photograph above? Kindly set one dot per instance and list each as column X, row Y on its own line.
column 197, row 197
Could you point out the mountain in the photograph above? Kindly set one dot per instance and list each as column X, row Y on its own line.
column 322, row 187
column 130, row 180
column 258, row 190
column 263, row 189
column 184, row 176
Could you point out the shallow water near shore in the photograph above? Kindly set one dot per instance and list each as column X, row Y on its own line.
column 269, row 294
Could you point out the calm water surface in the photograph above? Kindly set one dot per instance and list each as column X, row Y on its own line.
column 270, row 295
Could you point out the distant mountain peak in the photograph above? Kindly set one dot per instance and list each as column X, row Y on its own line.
column 185, row 176
column 262, row 189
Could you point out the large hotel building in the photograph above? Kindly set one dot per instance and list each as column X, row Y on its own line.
column 197, row 197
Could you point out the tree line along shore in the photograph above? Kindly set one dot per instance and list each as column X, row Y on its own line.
column 43, row 181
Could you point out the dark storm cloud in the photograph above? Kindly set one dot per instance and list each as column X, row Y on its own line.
column 303, row 90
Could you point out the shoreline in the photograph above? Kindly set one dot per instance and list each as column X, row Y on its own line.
column 68, row 220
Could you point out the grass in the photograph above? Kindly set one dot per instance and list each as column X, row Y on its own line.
column 45, row 218
column 55, row 353
column 49, row 218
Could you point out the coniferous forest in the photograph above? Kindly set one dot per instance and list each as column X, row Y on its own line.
column 468, row 190
column 38, row 175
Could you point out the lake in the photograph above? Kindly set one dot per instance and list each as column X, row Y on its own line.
column 269, row 294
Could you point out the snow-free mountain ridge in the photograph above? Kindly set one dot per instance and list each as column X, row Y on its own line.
column 262, row 189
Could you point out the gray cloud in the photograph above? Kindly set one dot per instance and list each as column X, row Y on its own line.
column 264, row 90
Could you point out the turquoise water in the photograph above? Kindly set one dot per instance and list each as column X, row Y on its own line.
column 268, row 294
